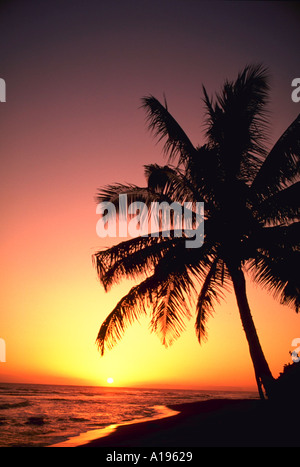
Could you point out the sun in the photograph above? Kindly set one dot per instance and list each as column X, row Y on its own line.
column 110, row 380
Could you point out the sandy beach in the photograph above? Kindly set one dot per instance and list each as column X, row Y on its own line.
column 213, row 423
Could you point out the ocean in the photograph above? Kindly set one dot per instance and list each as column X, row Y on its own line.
column 38, row 415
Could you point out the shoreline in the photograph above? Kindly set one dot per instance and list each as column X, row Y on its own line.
column 211, row 423
column 89, row 436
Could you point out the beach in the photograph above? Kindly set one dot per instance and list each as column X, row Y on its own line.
column 34, row 415
column 213, row 423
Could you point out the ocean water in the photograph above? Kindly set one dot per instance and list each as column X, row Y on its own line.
column 37, row 415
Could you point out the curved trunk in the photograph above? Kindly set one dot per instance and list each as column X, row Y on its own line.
column 261, row 368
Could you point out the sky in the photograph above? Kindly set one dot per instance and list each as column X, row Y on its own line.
column 75, row 73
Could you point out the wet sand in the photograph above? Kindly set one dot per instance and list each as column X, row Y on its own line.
column 213, row 423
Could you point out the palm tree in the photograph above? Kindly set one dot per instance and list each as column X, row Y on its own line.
column 251, row 199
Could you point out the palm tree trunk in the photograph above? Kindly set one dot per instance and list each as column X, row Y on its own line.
column 261, row 368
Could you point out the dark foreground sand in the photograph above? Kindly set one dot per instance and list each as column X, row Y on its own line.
column 214, row 423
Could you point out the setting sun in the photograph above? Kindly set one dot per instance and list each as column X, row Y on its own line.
column 110, row 380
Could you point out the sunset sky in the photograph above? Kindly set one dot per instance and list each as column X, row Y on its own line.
column 75, row 72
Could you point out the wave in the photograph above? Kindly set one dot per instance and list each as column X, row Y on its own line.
column 14, row 405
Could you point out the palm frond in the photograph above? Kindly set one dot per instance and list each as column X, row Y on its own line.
column 129, row 309
column 111, row 193
column 276, row 262
column 172, row 307
column 158, row 177
column 176, row 275
column 131, row 258
column 279, row 239
column 205, row 174
column 166, row 291
column 283, row 206
column 164, row 184
column 170, row 182
column 164, row 126
column 115, row 200
column 277, row 275
column 211, row 292
column 236, row 121
column 282, row 165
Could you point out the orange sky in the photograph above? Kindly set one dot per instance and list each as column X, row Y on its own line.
column 71, row 124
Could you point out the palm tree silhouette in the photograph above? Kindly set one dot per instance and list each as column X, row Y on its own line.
column 251, row 199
